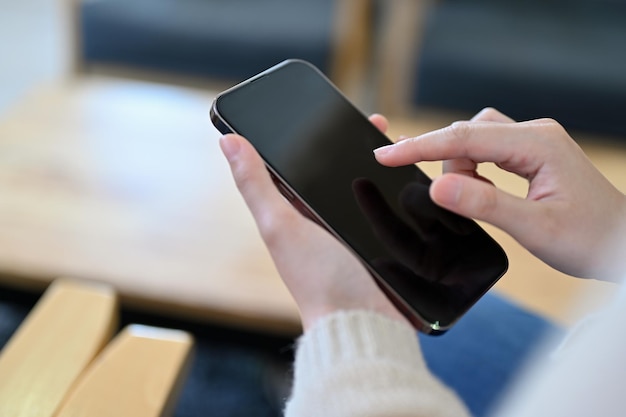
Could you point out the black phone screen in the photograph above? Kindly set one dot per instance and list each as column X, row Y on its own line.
column 315, row 140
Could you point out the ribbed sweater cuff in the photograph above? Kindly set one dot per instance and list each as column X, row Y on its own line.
column 357, row 335
column 361, row 363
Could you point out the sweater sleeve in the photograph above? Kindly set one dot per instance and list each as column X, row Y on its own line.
column 360, row 363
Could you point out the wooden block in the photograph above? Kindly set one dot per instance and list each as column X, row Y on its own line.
column 138, row 374
column 64, row 332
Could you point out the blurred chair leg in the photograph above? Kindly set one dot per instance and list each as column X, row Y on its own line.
column 401, row 31
column 55, row 343
column 138, row 374
column 351, row 46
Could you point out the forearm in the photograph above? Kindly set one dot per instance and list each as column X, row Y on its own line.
column 360, row 363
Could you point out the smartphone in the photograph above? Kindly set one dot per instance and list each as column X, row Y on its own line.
column 318, row 147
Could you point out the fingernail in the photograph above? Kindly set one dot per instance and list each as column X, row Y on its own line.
column 383, row 150
column 230, row 146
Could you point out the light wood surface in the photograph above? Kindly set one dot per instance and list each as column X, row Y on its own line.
column 123, row 182
column 60, row 337
column 139, row 374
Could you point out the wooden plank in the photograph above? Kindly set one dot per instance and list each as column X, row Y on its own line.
column 139, row 374
column 64, row 332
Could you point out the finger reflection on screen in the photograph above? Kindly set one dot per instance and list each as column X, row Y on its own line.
column 431, row 260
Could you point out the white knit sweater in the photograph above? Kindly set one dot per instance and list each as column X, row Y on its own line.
column 364, row 364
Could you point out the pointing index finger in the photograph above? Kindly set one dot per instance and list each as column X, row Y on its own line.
column 507, row 144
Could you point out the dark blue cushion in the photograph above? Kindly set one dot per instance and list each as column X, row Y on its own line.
column 530, row 59
column 230, row 39
column 480, row 356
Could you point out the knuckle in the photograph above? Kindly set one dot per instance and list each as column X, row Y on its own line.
column 243, row 177
column 486, row 202
column 270, row 227
column 552, row 133
column 488, row 113
column 274, row 225
column 459, row 131
column 458, row 137
column 550, row 126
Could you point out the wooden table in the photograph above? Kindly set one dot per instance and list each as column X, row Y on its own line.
column 124, row 182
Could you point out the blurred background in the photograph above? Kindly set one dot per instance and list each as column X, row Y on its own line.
column 32, row 47
column 528, row 58
column 110, row 171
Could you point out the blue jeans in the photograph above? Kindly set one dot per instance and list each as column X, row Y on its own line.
column 481, row 354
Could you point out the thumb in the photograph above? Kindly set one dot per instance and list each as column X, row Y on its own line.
column 480, row 200
column 253, row 180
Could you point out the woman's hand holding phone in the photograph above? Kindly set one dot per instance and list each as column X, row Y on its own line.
column 318, row 146
column 572, row 217
column 321, row 274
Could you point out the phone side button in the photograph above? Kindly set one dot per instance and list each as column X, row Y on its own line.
column 285, row 191
column 304, row 210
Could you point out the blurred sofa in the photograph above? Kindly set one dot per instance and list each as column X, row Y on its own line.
column 225, row 40
column 529, row 58
column 564, row 59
